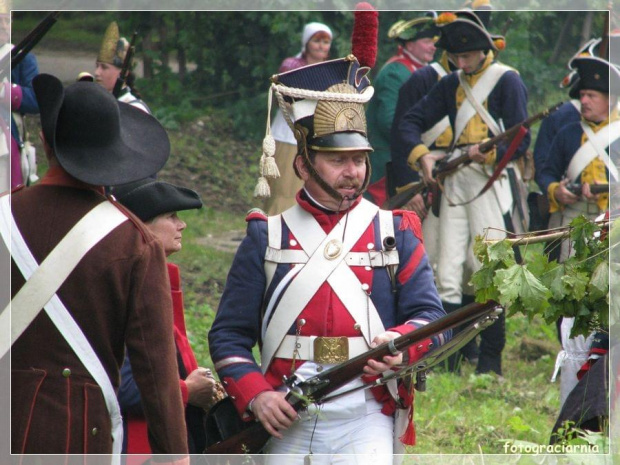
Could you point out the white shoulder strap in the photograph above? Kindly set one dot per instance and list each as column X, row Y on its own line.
column 316, row 271
column 595, row 146
column 476, row 96
column 43, row 281
column 439, row 69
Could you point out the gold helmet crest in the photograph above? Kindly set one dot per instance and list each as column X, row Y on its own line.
column 114, row 47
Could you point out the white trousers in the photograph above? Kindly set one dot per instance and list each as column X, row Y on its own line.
column 348, row 430
column 364, row 440
column 459, row 225
column 573, row 355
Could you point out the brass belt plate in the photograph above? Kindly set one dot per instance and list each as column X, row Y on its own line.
column 331, row 349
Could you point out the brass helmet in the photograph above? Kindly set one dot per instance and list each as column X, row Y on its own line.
column 114, row 47
column 323, row 104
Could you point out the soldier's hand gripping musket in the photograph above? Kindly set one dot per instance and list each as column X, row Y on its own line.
column 435, row 172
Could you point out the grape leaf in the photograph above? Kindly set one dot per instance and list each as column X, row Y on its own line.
column 501, row 252
column 598, row 286
column 517, row 282
column 575, row 283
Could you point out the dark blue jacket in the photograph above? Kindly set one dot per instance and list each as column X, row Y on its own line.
column 411, row 92
column 507, row 101
column 550, row 126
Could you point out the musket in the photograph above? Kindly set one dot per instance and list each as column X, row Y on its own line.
column 444, row 169
column 318, row 388
column 575, row 188
column 122, row 77
column 18, row 53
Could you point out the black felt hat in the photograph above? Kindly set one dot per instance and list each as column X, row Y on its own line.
column 594, row 74
column 96, row 138
column 463, row 31
column 149, row 198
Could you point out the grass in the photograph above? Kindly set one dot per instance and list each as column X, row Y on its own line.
column 471, row 413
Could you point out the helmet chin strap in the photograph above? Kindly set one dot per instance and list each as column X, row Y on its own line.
column 329, row 189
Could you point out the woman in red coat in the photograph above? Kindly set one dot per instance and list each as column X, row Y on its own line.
column 157, row 203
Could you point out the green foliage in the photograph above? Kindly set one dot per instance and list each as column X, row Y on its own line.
column 578, row 287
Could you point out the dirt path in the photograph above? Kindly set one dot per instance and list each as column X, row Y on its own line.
column 67, row 65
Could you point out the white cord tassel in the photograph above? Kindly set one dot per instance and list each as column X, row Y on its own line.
column 270, row 168
column 268, row 163
column 262, row 189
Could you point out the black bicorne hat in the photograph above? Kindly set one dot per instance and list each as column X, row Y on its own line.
column 594, row 74
column 96, row 138
column 463, row 31
column 149, row 198
column 414, row 29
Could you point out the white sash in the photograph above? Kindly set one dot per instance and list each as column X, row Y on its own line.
column 317, row 270
column 439, row 69
column 596, row 145
column 479, row 93
column 43, row 281
column 429, row 137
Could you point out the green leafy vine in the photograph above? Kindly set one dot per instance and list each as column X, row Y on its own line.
column 577, row 287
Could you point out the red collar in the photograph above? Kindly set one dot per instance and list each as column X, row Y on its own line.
column 326, row 218
column 57, row 176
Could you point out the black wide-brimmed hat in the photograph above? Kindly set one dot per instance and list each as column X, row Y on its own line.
column 96, row 138
column 463, row 31
column 594, row 74
column 149, row 198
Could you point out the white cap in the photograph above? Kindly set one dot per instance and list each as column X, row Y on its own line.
column 309, row 30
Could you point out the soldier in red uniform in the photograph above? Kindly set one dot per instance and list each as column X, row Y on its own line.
column 320, row 271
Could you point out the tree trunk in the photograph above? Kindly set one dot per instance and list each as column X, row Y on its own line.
column 561, row 39
column 586, row 29
column 181, row 54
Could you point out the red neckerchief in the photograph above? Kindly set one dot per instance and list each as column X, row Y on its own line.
column 326, row 218
column 57, row 176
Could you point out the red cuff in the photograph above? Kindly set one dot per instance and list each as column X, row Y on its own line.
column 16, row 97
column 241, row 392
column 184, row 391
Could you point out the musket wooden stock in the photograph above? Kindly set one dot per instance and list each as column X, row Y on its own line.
column 444, row 169
column 252, row 439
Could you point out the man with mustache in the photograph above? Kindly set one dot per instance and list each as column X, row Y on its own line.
column 580, row 153
column 319, row 273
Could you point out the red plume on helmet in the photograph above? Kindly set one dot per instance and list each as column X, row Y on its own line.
column 365, row 33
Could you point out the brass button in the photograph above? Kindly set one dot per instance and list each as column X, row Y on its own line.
column 66, row 372
column 356, row 327
column 94, row 431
